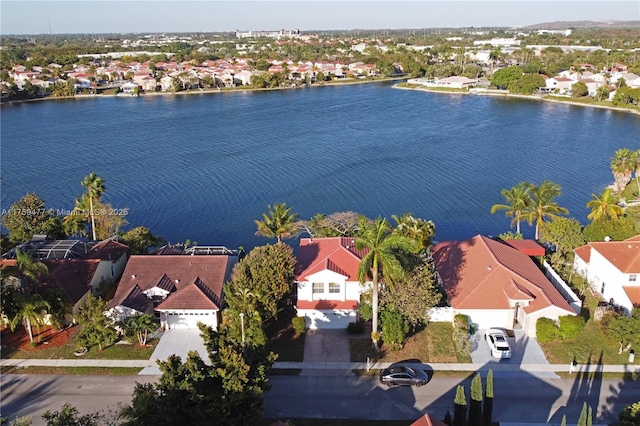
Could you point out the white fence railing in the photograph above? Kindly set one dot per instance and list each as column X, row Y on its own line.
column 573, row 300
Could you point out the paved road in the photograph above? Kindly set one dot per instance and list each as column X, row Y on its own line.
column 517, row 399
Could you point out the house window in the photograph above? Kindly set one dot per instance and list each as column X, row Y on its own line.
column 633, row 278
column 334, row 288
column 318, row 288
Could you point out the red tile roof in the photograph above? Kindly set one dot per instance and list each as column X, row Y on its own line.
column 206, row 273
column 624, row 255
column 327, row 304
column 428, row 420
column 136, row 299
column 481, row 273
column 72, row 276
column 633, row 293
column 107, row 250
column 337, row 254
column 528, row 247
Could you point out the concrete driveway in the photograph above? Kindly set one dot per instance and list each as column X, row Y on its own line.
column 178, row 342
column 524, row 350
column 326, row 346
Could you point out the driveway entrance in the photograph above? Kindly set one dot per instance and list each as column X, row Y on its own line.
column 178, row 342
column 326, row 346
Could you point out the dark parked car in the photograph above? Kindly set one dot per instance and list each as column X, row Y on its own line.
column 399, row 375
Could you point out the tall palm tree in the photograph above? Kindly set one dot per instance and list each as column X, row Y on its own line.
column 95, row 189
column 31, row 271
column 383, row 250
column 278, row 222
column 622, row 167
column 32, row 311
column 604, row 206
column 543, row 205
column 517, row 200
column 140, row 325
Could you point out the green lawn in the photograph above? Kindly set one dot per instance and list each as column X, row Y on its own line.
column 590, row 346
column 591, row 101
column 433, row 344
column 107, row 371
column 283, row 340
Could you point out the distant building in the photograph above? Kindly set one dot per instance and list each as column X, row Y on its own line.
column 561, row 32
column 498, row 42
column 271, row 34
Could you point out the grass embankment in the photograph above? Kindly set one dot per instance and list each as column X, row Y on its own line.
column 591, row 102
column 432, row 344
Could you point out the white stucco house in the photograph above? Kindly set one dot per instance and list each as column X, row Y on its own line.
column 612, row 269
column 327, row 282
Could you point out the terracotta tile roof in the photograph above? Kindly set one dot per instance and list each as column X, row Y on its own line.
column 165, row 283
column 327, row 304
column 481, row 273
column 428, row 420
column 633, row 293
column 166, row 249
column 207, row 273
column 195, row 295
column 336, row 254
column 72, row 276
column 137, row 300
column 107, row 250
column 528, row 247
column 624, row 255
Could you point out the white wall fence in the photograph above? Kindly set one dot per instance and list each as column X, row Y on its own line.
column 443, row 314
column 573, row 300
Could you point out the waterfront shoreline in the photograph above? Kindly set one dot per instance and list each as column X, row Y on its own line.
column 517, row 96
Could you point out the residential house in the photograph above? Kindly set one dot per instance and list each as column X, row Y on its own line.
column 613, row 270
column 182, row 290
column 561, row 84
column 496, row 285
column 454, row 82
column 327, row 282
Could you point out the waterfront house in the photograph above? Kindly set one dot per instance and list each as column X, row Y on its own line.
column 496, row 284
column 182, row 290
column 327, row 282
column 612, row 268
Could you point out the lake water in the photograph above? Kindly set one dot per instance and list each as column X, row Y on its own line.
column 204, row 167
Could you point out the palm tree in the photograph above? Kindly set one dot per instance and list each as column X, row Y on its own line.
column 140, row 325
column 95, row 189
column 31, row 271
column 419, row 230
column 542, row 205
column 604, row 206
column 279, row 222
column 517, row 200
column 32, row 311
column 383, row 250
column 59, row 307
column 622, row 167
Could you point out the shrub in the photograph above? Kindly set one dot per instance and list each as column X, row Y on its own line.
column 355, row 328
column 366, row 311
column 299, row 324
column 461, row 321
column 570, row 326
column 461, row 341
column 546, row 330
column 394, row 328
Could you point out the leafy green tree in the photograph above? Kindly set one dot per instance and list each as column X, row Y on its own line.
column 460, row 407
column 139, row 326
column 605, row 206
column 95, row 188
column 475, row 406
column 140, row 239
column 394, row 328
column 59, row 307
column 419, row 230
column 509, row 235
column 546, row 330
column 32, row 271
column 31, row 313
column 487, row 410
column 9, row 301
column 626, row 96
column 527, row 84
column 517, row 200
column 97, row 328
column 337, row 224
column 503, row 78
column 543, row 205
column 564, row 233
column 414, row 294
column 582, row 421
column 268, row 273
column 278, row 222
column 383, row 249
column 602, row 93
column 28, row 217
column 630, row 415
column 579, row 90
column 616, row 230
column 69, row 416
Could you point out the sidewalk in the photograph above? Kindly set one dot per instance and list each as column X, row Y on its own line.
column 496, row 367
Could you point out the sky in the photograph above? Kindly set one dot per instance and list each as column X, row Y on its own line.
column 156, row 16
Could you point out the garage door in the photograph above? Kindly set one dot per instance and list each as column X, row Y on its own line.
column 188, row 319
column 329, row 320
